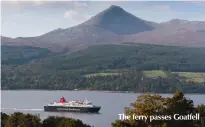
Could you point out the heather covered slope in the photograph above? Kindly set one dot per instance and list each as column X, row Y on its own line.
column 174, row 32
column 179, row 24
column 174, row 37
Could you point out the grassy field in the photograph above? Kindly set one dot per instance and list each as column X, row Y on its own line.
column 187, row 76
column 155, row 74
column 192, row 76
column 150, row 74
column 100, row 74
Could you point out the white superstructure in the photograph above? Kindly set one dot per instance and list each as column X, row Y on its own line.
column 72, row 103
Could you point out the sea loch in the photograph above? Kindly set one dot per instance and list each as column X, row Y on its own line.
column 14, row 100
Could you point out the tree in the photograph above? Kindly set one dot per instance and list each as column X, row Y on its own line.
column 178, row 104
column 145, row 105
column 201, row 110
column 155, row 105
column 120, row 123
column 4, row 118
column 23, row 120
column 27, row 120
column 54, row 121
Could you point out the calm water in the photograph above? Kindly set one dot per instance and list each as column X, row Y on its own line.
column 112, row 103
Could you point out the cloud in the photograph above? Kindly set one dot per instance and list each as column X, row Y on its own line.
column 164, row 7
column 74, row 15
column 75, row 12
column 197, row 2
column 80, row 5
column 44, row 4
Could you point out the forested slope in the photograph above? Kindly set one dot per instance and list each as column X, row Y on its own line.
column 69, row 70
column 22, row 54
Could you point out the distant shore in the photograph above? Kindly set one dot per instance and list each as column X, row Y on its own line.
column 104, row 91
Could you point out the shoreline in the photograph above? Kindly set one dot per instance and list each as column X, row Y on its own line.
column 104, row 91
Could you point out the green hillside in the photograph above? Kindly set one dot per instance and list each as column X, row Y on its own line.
column 100, row 74
column 192, row 76
column 144, row 57
column 22, row 54
column 110, row 67
column 155, row 74
column 197, row 77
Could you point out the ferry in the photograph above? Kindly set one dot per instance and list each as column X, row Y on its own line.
column 72, row 106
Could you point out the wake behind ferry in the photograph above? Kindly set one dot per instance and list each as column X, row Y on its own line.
column 72, row 106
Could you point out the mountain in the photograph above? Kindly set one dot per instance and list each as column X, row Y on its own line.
column 115, row 26
column 178, row 23
column 174, row 32
column 106, row 27
column 117, row 20
column 175, row 37
column 31, row 41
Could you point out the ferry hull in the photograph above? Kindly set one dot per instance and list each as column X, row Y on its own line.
column 72, row 109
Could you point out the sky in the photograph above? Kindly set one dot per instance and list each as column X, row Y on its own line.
column 34, row 18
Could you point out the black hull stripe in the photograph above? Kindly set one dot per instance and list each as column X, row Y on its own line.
column 71, row 109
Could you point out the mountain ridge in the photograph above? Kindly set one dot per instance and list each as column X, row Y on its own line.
column 119, row 21
column 115, row 25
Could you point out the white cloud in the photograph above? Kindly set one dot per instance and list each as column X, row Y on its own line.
column 197, row 2
column 43, row 3
column 80, row 5
column 164, row 7
column 74, row 15
column 38, row 3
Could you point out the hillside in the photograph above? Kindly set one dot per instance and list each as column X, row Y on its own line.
column 16, row 55
column 174, row 37
column 115, row 26
column 110, row 67
column 145, row 57
column 181, row 24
